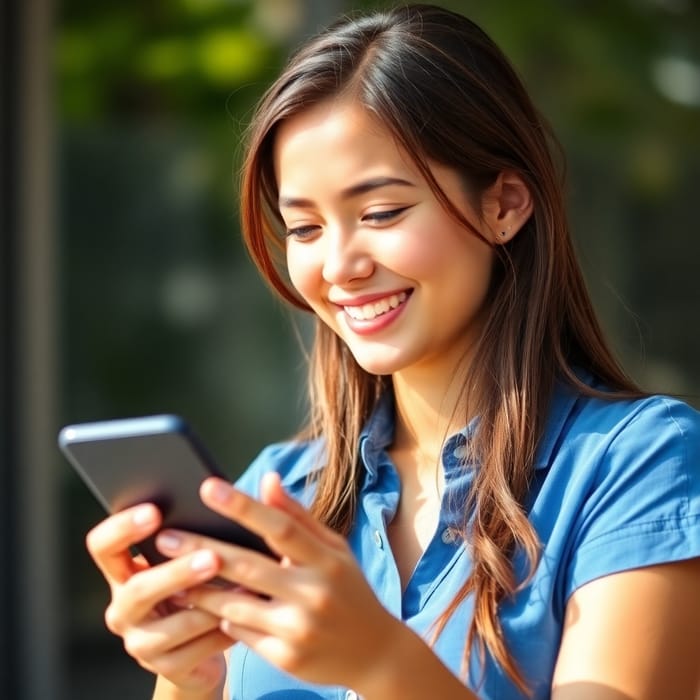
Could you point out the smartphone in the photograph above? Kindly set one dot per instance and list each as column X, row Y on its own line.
column 154, row 459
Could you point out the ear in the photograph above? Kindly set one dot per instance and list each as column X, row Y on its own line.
column 506, row 206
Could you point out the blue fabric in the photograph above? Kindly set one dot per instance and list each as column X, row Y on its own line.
column 617, row 486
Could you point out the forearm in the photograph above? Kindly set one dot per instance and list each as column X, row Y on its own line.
column 410, row 670
column 165, row 690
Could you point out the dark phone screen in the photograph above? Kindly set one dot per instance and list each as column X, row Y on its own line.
column 165, row 467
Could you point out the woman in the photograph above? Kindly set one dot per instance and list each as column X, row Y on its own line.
column 482, row 504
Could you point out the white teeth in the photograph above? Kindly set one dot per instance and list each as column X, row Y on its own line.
column 367, row 312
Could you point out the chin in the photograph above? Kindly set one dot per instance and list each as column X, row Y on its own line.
column 378, row 365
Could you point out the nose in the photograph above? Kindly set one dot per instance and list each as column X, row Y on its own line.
column 345, row 257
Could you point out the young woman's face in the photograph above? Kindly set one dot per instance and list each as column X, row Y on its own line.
column 370, row 247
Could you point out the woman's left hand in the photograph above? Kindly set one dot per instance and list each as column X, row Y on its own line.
column 311, row 613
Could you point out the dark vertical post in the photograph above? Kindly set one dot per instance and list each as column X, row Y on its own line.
column 9, row 624
column 28, row 489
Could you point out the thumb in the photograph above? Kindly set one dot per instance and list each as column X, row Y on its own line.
column 272, row 493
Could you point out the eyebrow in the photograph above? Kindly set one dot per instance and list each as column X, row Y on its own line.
column 349, row 192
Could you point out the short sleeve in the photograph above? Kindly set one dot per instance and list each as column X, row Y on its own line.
column 643, row 507
column 293, row 461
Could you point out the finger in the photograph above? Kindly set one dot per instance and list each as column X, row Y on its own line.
column 251, row 638
column 282, row 532
column 272, row 493
column 134, row 601
column 239, row 607
column 266, row 645
column 180, row 662
column 243, row 567
column 250, row 619
column 162, row 635
column 109, row 542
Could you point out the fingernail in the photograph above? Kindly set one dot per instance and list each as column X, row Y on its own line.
column 169, row 540
column 203, row 560
column 221, row 492
column 227, row 628
column 143, row 516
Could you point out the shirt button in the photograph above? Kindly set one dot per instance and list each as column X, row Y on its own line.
column 460, row 452
column 351, row 695
column 380, row 543
column 448, row 536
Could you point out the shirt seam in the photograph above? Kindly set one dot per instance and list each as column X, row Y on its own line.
column 629, row 531
column 680, row 528
column 681, row 458
column 685, row 458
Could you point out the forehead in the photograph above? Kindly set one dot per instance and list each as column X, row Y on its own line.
column 332, row 137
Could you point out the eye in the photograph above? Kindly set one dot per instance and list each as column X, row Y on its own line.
column 302, row 232
column 382, row 217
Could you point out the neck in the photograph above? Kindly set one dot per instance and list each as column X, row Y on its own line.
column 428, row 410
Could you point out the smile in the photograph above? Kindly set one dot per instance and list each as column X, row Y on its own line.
column 368, row 312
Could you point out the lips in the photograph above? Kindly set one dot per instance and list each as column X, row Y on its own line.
column 370, row 311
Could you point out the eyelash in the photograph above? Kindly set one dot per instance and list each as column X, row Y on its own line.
column 377, row 217
column 301, row 231
column 382, row 216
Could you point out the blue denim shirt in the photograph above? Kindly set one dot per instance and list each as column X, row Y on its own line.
column 616, row 487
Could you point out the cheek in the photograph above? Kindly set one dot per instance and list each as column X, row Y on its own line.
column 304, row 272
column 434, row 257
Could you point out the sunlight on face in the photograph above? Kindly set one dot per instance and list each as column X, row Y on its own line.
column 370, row 247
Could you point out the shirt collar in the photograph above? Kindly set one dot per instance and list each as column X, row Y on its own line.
column 378, row 432
column 560, row 408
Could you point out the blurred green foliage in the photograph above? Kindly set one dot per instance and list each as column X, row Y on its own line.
column 119, row 61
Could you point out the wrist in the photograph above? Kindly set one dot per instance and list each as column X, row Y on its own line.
column 409, row 669
column 167, row 690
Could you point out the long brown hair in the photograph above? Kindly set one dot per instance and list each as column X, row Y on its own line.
column 447, row 94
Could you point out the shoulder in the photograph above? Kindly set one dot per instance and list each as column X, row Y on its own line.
column 622, row 485
column 635, row 411
column 294, row 460
column 611, row 446
column 598, row 435
column 618, row 431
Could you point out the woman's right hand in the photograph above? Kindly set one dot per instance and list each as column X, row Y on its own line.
column 184, row 646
